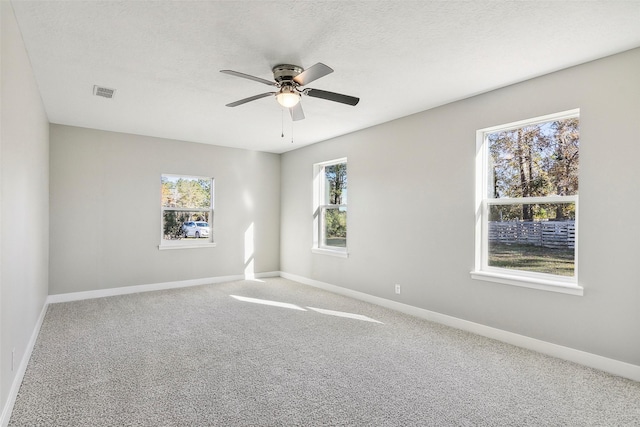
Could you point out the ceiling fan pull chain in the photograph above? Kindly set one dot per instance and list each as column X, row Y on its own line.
column 282, row 122
column 292, row 131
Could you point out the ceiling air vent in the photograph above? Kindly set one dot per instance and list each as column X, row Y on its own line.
column 105, row 92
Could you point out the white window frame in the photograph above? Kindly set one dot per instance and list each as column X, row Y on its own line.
column 482, row 271
column 188, row 243
column 319, row 207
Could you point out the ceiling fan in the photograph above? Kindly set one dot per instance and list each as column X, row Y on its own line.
column 289, row 79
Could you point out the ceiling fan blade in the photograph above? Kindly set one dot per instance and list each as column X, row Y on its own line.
column 251, row 98
column 312, row 73
column 332, row 96
column 296, row 112
column 247, row 76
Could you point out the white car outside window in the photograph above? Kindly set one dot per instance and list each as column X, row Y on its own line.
column 196, row 229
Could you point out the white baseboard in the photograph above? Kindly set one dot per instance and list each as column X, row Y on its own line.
column 591, row 360
column 17, row 380
column 76, row 296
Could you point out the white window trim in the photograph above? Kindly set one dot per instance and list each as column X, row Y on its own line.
column 184, row 245
column 541, row 281
column 331, row 252
column 188, row 244
column 318, row 191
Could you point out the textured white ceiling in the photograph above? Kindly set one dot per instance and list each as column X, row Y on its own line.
column 400, row 57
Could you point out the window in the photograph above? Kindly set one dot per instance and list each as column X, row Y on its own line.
column 527, row 203
column 330, row 210
column 187, row 212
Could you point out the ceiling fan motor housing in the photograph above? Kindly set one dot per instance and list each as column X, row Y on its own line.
column 286, row 72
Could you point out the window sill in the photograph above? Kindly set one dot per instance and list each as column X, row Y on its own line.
column 185, row 245
column 331, row 252
column 529, row 282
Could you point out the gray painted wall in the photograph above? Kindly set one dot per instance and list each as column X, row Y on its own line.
column 24, row 198
column 411, row 210
column 105, row 209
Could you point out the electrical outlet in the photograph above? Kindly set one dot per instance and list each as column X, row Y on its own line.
column 397, row 289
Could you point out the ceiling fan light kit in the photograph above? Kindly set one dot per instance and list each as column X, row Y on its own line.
column 288, row 97
column 288, row 79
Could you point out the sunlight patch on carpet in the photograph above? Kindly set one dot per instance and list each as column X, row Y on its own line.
column 344, row 314
column 268, row 302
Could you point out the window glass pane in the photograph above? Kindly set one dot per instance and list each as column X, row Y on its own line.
column 535, row 160
column 544, row 243
column 185, row 224
column 335, row 184
column 185, row 192
column 335, row 227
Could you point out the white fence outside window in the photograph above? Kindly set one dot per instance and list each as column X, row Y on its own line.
column 549, row 234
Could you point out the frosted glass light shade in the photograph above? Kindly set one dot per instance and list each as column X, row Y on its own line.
column 288, row 97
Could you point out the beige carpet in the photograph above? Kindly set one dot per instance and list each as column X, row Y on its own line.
column 278, row 353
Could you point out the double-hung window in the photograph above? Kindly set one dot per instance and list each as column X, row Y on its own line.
column 527, row 203
column 186, row 212
column 330, row 210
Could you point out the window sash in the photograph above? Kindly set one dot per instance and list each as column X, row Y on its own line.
column 322, row 232
column 552, row 200
column 531, row 200
column 187, row 209
column 190, row 177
